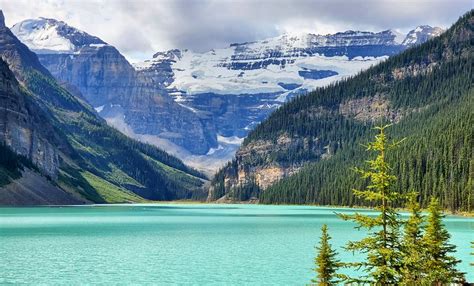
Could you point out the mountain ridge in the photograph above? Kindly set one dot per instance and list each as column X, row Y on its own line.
column 220, row 95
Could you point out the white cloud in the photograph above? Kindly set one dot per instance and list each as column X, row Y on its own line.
column 138, row 28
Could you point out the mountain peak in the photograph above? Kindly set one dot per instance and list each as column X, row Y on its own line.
column 421, row 34
column 170, row 54
column 46, row 35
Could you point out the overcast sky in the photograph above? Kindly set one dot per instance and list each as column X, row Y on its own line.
column 138, row 28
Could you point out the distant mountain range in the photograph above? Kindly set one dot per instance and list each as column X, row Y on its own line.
column 200, row 106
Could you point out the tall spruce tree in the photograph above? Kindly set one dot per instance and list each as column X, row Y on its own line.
column 412, row 246
column 440, row 265
column 326, row 262
column 382, row 245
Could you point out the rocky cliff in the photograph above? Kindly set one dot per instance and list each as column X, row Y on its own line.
column 23, row 126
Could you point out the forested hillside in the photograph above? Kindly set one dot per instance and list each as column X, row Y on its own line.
column 304, row 151
column 58, row 135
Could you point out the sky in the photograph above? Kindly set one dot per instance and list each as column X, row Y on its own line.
column 139, row 28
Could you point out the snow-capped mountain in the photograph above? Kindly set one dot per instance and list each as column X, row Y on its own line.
column 47, row 36
column 278, row 65
column 220, row 94
column 111, row 85
column 238, row 86
column 421, row 34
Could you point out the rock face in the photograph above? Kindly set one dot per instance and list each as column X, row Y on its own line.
column 257, row 163
column 368, row 109
column 132, row 103
column 85, row 70
column 23, row 126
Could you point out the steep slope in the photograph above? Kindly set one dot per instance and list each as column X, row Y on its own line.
column 21, row 128
column 29, row 149
column 81, row 154
column 133, row 104
column 302, row 153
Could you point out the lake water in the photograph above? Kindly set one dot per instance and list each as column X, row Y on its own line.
column 176, row 244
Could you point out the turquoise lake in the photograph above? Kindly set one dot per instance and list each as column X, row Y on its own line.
column 177, row 244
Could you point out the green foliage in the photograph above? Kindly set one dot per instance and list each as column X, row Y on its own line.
column 382, row 245
column 432, row 107
column 245, row 192
column 413, row 249
column 436, row 160
column 439, row 265
column 218, row 180
column 96, row 157
column 326, row 262
column 421, row 255
column 184, row 185
column 110, row 192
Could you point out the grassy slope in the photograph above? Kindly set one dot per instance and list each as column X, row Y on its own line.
column 109, row 192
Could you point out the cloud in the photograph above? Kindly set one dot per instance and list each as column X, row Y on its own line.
column 138, row 28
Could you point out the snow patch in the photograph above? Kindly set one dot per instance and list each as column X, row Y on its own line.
column 233, row 140
column 99, row 108
column 97, row 45
column 41, row 36
column 213, row 150
column 203, row 73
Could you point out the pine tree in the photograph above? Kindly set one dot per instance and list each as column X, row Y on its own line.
column 439, row 264
column 382, row 245
column 412, row 245
column 326, row 262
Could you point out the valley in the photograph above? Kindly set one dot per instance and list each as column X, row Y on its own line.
column 257, row 119
column 201, row 142
column 193, row 104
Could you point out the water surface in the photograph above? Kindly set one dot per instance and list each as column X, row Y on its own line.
column 176, row 244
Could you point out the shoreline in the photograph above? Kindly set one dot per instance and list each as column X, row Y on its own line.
column 194, row 202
